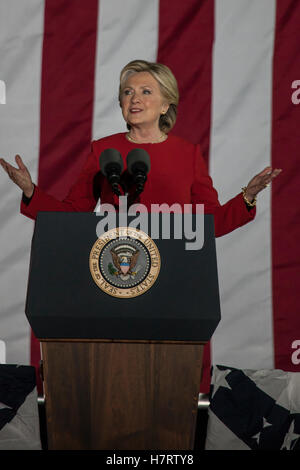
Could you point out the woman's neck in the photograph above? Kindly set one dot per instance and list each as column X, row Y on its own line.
column 143, row 136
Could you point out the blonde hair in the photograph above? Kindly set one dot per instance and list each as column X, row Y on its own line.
column 168, row 87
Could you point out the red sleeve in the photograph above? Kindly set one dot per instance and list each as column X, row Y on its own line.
column 227, row 217
column 79, row 199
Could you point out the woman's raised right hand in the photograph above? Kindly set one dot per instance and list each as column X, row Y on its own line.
column 20, row 176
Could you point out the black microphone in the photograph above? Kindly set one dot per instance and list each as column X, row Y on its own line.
column 111, row 165
column 138, row 164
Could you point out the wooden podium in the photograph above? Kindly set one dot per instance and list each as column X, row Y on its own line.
column 119, row 373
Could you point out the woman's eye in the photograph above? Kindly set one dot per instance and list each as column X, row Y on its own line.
column 130, row 92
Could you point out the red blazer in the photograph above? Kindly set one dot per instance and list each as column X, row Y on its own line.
column 178, row 174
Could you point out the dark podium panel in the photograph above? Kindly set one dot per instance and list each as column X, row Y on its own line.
column 63, row 300
column 119, row 373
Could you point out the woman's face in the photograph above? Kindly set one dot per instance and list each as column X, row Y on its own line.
column 141, row 101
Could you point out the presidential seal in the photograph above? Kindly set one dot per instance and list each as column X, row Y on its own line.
column 124, row 262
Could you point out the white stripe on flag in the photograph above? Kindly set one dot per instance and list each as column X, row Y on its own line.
column 126, row 31
column 21, row 34
column 240, row 148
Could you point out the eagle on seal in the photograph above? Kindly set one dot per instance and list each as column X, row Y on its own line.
column 125, row 263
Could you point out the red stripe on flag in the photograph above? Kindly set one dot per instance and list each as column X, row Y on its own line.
column 67, row 94
column 285, row 190
column 186, row 34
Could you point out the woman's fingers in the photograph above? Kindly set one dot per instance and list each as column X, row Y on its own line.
column 261, row 181
column 276, row 172
column 10, row 169
column 270, row 176
column 269, row 172
column 4, row 164
column 20, row 163
column 265, row 171
column 7, row 167
column 20, row 176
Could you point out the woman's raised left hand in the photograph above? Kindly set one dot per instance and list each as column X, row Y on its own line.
column 260, row 182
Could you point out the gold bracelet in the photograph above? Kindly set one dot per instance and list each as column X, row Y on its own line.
column 250, row 204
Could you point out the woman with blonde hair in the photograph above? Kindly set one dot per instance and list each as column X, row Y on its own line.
column 148, row 96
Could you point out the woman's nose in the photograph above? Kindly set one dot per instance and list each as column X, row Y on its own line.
column 135, row 98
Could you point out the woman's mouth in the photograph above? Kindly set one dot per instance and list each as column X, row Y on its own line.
column 135, row 110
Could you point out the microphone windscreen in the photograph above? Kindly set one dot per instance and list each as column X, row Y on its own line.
column 110, row 156
column 138, row 156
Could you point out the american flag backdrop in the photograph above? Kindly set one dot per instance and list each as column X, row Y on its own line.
column 237, row 63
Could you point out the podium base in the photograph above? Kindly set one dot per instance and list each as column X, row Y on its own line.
column 121, row 395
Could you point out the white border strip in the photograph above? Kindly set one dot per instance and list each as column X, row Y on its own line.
column 21, row 35
column 127, row 30
column 240, row 148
